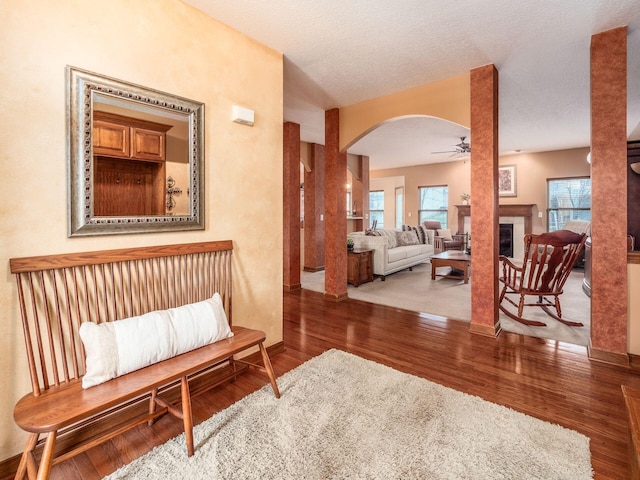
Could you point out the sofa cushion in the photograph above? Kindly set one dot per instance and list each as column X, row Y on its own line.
column 415, row 250
column 408, row 237
column 396, row 254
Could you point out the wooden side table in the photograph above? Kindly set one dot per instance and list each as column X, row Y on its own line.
column 359, row 266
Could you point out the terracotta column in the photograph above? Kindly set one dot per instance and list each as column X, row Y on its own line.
column 364, row 165
column 609, row 196
column 291, row 205
column 314, row 211
column 484, row 191
column 335, row 193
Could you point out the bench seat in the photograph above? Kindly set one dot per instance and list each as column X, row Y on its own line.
column 68, row 403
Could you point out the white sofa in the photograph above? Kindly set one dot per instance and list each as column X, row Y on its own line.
column 391, row 255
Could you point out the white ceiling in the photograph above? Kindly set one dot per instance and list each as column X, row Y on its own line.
column 342, row 52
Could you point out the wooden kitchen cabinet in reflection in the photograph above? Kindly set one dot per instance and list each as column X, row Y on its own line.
column 129, row 166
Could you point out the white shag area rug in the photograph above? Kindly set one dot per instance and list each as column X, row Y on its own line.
column 344, row 417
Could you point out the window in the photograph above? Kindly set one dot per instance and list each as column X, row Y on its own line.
column 399, row 206
column 567, row 199
column 376, row 207
column 434, row 203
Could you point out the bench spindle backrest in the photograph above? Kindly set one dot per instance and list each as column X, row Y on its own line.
column 57, row 293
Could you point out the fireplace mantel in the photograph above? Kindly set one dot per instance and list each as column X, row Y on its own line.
column 509, row 210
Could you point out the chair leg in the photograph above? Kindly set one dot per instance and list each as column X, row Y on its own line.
column 521, row 305
column 503, row 293
column 558, row 309
column 186, row 416
column 269, row 369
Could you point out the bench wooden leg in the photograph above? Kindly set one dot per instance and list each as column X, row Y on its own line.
column 186, row 416
column 47, row 457
column 152, row 405
column 27, row 465
column 234, row 368
column 269, row 369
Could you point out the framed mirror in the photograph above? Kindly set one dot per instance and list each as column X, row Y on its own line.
column 135, row 158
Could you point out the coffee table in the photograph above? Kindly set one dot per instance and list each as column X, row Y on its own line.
column 456, row 259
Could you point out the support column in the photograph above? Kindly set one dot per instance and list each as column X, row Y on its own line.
column 364, row 165
column 314, row 211
column 609, row 196
column 484, row 191
column 335, row 199
column 291, row 206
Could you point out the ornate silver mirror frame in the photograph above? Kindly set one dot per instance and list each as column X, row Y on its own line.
column 84, row 90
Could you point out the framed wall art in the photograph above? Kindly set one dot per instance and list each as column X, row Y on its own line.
column 507, row 181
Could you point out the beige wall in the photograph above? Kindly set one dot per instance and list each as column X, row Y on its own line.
column 532, row 172
column 449, row 99
column 165, row 45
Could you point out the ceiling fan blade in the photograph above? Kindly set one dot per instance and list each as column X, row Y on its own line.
column 447, row 151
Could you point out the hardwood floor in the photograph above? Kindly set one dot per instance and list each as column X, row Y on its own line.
column 546, row 379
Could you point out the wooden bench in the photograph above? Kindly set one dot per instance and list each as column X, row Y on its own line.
column 58, row 292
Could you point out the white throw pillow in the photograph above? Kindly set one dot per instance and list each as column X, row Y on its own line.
column 445, row 233
column 122, row 346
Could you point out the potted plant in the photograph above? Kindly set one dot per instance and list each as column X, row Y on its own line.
column 465, row 198
column 349, row 244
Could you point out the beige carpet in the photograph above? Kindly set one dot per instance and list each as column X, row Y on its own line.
column 414, row 290
column 344, row 417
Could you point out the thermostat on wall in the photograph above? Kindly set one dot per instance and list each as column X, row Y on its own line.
column 242, row 115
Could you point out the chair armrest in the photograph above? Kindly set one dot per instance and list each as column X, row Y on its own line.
column 510, row 272
column 506, row 262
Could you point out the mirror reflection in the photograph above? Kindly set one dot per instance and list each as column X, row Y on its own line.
column 135, row 158
column 137, row 153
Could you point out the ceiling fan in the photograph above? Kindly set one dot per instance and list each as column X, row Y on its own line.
column 462, row 147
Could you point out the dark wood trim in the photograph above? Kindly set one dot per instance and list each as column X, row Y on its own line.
column 634, row 362
column 486, row 330
column 608, row 357
column 291, row 288
column 313, row 269
column 633, row 257
column 336, row 298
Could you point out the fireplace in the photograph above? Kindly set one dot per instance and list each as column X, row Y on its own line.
column 506, row 239
column 519, row 215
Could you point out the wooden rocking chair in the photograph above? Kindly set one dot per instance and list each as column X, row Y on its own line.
column 548, row 260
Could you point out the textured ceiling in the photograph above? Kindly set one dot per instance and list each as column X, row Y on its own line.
column 338, row 53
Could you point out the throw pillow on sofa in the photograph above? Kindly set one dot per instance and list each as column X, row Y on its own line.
column 391, row 237
column 407, row 237
column 421, row 233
